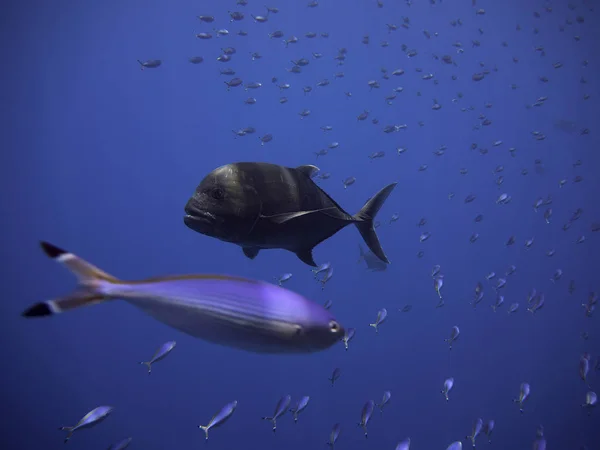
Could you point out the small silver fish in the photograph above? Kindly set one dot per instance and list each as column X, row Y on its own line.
column 523, row 394
column 438, row 282
column 282, row 407
column 161, row 353
column 299, row 407
column 333, row 436
column 348, row 336
column 337, row 372
column 326, row 278
column 387, row 395
column 477, row 426
column 220, row 418
column 365, row 415
column 448, row 385
column 453, row 336
column 403, row 445
column 381, row 316
column 121, row 445
column 283, row 278
column 94, row 417
column 488, row 427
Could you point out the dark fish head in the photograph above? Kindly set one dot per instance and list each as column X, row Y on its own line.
column 224, row 206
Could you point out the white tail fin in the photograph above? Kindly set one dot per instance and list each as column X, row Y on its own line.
column 89, row 276
column 148, row 364
column 205, row 429
column 70, row 430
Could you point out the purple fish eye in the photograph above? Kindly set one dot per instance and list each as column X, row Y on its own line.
column 334, row 326
column 299, row 330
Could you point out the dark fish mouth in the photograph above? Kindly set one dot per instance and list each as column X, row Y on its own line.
column 199, row 217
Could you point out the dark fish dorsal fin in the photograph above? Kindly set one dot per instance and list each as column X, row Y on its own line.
column 309, row 170
column 251, row 252
column 306, row 257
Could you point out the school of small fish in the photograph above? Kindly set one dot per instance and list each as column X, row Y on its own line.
column 260, row 206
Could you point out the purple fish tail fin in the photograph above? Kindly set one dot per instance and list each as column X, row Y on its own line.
column 91, row 282
column 374, row 325
column 365, row 218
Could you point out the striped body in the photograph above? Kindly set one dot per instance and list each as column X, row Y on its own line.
column 232, row 311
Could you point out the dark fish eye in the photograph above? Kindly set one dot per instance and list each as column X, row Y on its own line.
column 334, row 326
column 217, row 193
column 298, row 330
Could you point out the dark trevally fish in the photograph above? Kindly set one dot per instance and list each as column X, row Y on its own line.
column 282, row 407
column 374, row 264
column 220, row 418
column 237, row 312
column 263, row 206
column 121, row 445
column 161, row 353
column 94, row 417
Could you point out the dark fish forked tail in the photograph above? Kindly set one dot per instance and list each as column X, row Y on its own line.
column 89, row 276
column 365, row 218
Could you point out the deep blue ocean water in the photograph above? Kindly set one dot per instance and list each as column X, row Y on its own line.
column 100, row 157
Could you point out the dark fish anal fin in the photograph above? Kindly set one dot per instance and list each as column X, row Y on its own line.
column 251, row 252
column 306, row 257
column 365, row 218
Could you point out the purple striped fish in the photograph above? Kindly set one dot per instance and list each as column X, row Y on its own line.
column 251, row 315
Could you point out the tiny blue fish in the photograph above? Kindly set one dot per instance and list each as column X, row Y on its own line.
column 365, row 415
column 94, row 417
column 299, row 407
column 121, row 445
column 161, row 353
column 381, row 316
column 282, row 407
column 348, row 336
column 403, row 445
column 335, row 375
column 333, row 436
column 387, row 395
column 220, row 418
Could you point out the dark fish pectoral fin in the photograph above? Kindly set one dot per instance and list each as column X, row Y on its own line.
column 306, row 257
column 365, row 219
column 251, row 252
